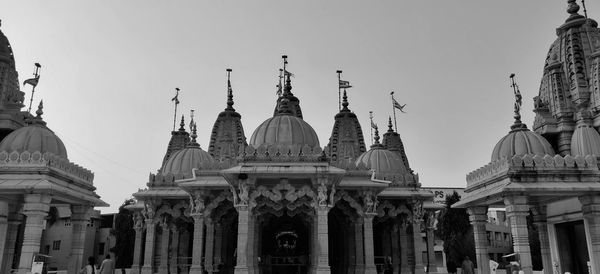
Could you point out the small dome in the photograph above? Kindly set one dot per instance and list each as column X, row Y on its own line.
column 521, row 141
column 585, row 141
column 383, row 161
column 184, row 160
column 284, row 130
column 34, row 137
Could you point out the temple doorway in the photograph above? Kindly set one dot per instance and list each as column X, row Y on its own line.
column 572, row 246
column 284, row 244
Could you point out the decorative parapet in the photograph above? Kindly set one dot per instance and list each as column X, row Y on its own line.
column 395, row 179
column 532, row 162
column 281, row 153
column 37, row 159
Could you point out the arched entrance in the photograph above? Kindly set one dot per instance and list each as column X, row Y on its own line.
column 284, row 244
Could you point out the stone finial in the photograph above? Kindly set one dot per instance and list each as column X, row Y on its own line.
column 390, row 126
column 376, row 136
column 284, row 107
column 573, row 7
column 229, row 91
column 194, row 135
column 287, row 90
column 40, row 111
column 345, row 102
column 182, row 124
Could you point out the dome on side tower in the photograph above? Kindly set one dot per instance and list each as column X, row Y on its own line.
column 520, row 140
column 183, row 161
column 381, row 160
column 34, row 137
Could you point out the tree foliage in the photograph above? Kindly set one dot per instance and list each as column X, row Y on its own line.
column 456, row 231
column 125, row 236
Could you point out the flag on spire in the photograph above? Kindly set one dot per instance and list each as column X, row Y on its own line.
column 176, row 98
column 344, row 84
column 32, row 81
column 398, row 106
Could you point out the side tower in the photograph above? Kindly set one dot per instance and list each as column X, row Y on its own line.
column 347, row 141
column 11, row 97
column 393, row 142
column 569, row 95
column 179, row 140
column 227, row 135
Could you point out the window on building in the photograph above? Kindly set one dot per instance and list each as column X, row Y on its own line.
column 90, row 223
column 68, row 222
column 101, row 248
column 56, row 245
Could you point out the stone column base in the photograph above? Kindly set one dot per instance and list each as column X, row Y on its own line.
column 405, row 270
column 419, row 270
column 147, row 270
column 195, row 269
column 370, row 270
column 241, row 270
column 323, row 270
column 134, row 270
column 359, row 269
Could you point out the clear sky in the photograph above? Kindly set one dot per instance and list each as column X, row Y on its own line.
column 109, row 70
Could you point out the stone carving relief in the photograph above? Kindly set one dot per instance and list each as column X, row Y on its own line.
column 197, row 203
column 370, row 202
column 417, row 212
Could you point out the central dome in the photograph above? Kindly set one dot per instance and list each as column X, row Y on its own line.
column 284, row 130
column 521, row 141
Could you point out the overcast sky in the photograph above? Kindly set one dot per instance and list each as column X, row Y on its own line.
column 109, row 70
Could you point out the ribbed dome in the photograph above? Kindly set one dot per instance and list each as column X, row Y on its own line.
column 382, row 161
column 284, row 130
column 183, row 161
column 521, row 141
column 35, row 137
column 585, row 141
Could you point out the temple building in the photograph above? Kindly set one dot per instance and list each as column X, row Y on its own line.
column 38, row 183
column 279, row 202
column 550, row 176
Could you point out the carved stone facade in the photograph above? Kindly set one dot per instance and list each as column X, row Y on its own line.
column 283, row 204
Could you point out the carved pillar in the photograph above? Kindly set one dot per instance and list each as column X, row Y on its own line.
column 359, row 242
column 14, row 220
column 540, row 222
column 149, row 248
column 431, row 265
column 368, row 244
column 517, row 210
column 314, row 239
column 197, row 251
column 418, row 245
column 174, row 249
column 35, row 209
column 252, row 241
column 164, row 246
column 137, row 247
column 404, row 266
column 478, row 217
column 590, row 206
column 241, row 266
column 395, row 248
column 79, row 218
column 323, row 237
column 210, row 244
column 3, row 230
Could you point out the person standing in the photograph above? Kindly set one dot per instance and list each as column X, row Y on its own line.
column 90, row 268
column 107, row 266
column 467, row 266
